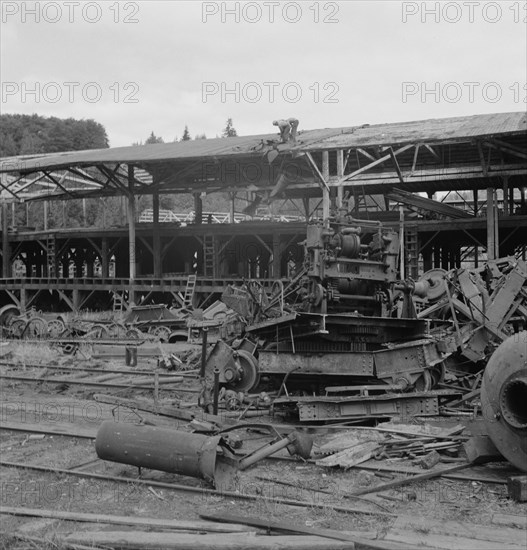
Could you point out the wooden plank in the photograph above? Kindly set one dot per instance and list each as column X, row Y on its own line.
column 54, row 428
column 454, row 534
column 407, row 480
column 510, row 520
column 356, row 540
column 352, row 456
column 176, row 524
column 474, row 474
column 140, row 540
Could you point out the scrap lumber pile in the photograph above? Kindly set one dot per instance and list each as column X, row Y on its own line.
column 420, row 443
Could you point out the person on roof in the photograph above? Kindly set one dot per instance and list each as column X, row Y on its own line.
column 287, row 129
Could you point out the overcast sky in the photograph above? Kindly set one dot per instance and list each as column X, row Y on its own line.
column 145, row 66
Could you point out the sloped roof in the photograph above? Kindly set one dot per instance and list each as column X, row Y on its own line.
column 432, row 130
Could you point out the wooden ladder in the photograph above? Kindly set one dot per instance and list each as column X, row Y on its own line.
column 51, row 256
column 411, row 247
column 118, row 303
column 208, row 256
column 188, row 297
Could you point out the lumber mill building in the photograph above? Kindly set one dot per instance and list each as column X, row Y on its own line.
column 454, row 187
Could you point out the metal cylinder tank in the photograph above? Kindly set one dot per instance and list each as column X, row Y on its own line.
column 504, row 399
column 158, row 449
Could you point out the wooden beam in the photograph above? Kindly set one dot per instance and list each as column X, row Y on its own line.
column 384, row 158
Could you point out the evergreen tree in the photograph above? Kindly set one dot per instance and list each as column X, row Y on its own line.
column 229, row 130
column 153, row 139
column 186, row 134
column 200, row 136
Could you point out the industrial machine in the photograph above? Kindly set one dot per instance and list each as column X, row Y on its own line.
column 345, row 318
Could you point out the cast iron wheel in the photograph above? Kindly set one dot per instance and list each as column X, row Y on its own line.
column 249, row 377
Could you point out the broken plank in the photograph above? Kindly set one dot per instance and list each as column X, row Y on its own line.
column 175, row 524
column 352, row 456
column 407, row 480
column 477, row 473
column 139, row 540
column 285, row 526
column 510, row 520
column 55, row 428
column 454, row 534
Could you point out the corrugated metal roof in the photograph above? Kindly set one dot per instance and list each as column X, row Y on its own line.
column 457, row 128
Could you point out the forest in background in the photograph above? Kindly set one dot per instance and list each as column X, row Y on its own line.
column 35, row 134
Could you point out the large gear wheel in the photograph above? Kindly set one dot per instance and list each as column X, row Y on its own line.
column 248, row 375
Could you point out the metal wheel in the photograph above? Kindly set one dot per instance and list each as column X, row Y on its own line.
column 97, row 331
column 163, row 333
column 247, row 366
column 424, row 382
column 36, row 328
column 55, row 328
column 16, row 328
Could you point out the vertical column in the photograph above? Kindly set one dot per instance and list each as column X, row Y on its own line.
column 231, row 205
column 475, row 199
column 6, row 252
column 105, row 260
column 506, row 195
column 491, row 232
column 340, row 174
column 131, row 223
column 45, row 215
column 198, row 208
column 325, row 191
column 156, row 238
column 277, row 257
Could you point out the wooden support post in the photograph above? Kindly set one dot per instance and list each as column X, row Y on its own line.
column 6, row 252
column 84, row 221
column 325, row 192
column 277, row 257
column 131, row 223
column 231, row 209
column 198, row 208
column 105, row 260
column 156, row 250
column 45, row 215
column 13, row 214
column 475, row 198
column 340, row 174
column 491, row 244
column 506, row 195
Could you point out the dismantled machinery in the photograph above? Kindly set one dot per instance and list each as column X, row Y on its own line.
column 350, row 339
column 345, row 318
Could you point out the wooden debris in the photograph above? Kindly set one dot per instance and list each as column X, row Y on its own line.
column 185, row 525
column 352, row 456
column 454, row 535
column 517, row 488
column 480, row 449
column 139, row 540
column 510, row 520
column 287, row 527
column 408, row 480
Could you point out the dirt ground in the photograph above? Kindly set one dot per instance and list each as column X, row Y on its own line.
column 49, row 405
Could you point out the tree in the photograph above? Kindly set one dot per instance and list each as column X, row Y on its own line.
column 229, row 130
column 200, row 136
column 28, row 134
column 153, row 139
column 186, row 134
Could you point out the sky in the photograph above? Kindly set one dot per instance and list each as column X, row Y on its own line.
column 155, row 66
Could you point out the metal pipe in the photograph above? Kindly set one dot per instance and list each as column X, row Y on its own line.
column 204, row 332
column 216, row 390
